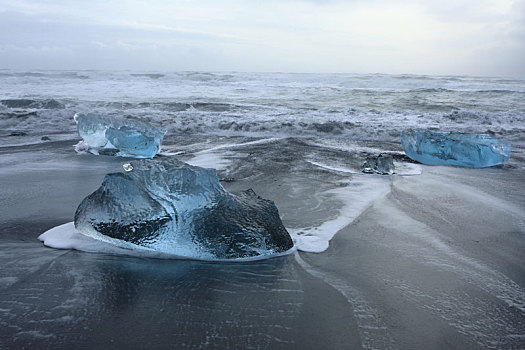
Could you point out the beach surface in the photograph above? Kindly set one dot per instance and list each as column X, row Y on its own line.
column 432, row 258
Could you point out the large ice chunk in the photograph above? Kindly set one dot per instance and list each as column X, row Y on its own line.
column 120, row 137
column 454, row 148
column 172, row 207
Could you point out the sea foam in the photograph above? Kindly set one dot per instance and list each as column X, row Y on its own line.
column 66, row 236
column 355, row 198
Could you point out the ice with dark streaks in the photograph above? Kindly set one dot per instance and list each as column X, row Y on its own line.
column 167, row 206
column 382, row 164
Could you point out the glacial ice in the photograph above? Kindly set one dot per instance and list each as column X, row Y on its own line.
column 382, row 164
column 454, row 148
column 171, row 207
column 119, row 137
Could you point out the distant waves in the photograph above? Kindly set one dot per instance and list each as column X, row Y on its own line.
column 374, row 107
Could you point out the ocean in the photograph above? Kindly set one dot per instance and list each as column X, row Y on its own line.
column 428, row 258
column 359, row 107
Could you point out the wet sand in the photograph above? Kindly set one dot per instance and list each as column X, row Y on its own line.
column 435, row 263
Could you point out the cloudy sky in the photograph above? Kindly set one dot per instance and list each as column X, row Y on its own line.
column 466, row 37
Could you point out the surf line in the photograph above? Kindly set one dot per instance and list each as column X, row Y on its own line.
column 355, row 199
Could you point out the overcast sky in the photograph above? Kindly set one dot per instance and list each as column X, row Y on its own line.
column 471, row 37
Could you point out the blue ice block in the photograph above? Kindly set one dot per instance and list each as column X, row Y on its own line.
column 454, row 148
column 167, row 206
column 120, row 137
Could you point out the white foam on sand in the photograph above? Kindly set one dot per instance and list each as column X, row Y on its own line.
column 210, row 160
column 401, row 168
column 66, row 236
column 362, row 192
column 334, row 167
column 355, row 198
column 407, row 169
column 235, row 145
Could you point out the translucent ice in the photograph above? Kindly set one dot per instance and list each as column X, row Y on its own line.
column 172, row 207
column 454, row 148
column 120, row 137
column 382, row 164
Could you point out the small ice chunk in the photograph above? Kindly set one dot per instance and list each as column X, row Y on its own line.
column 454, row 148
column 119, row 137
column 382, row 164
column 167, row 206
column 127, row 167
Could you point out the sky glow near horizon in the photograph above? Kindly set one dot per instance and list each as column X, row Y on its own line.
column 484, row 37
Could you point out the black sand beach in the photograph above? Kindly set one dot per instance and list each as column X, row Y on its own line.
column 435, row 262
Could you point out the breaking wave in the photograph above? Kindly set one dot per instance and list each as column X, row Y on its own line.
column 367, row 107
column 36, row 104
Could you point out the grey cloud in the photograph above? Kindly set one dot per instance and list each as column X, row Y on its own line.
column 299, row 35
